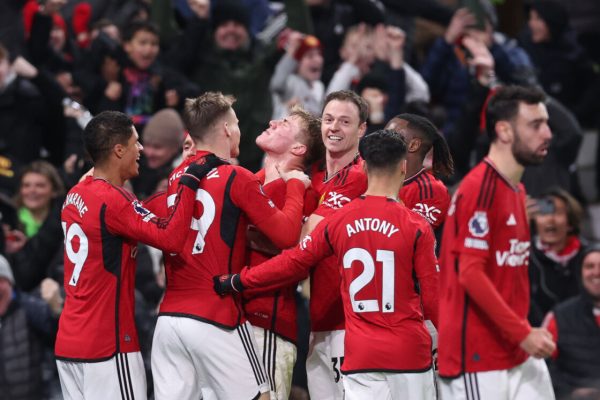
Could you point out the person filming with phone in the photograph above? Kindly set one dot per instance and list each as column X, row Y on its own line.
column 555, row 251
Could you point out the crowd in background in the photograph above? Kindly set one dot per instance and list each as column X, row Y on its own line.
column 62, row 61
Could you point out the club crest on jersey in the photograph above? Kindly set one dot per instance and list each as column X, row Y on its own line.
column 478, row 224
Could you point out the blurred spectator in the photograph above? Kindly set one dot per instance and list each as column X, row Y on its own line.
column 563, row 68
column 333, row 18
column 448, row 70
column 39, row 187
column 555, row 252
column 221, row 56
column 297, row 77
column 28, row 324
column 30, row 112
column 575, row 325
column 135, row 83
column 162, row 139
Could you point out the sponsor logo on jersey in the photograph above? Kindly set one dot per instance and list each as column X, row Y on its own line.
column 478, row 224
column 430, row 213
column 512, row 221
column 516, row 256
column 336, row 200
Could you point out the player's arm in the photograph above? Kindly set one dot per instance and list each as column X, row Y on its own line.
column 550, row 324
column 427, row 271
column 285, row 269
column 128, row 218
column 282, row 227
column 157, row 204
column 535, row 341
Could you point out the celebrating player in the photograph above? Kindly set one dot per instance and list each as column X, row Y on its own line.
column 485, row 341
column 97, row 348
column 202, row 342
column 385, row 257
column 337, row 181
column 422, row 192
column 294, row 140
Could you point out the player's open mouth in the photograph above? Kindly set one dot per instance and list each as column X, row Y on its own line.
column 334, row 138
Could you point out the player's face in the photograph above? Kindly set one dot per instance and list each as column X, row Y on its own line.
column 158, row 154
column 131, row 155
column 553, row 228
column 5, row 295
column 189, row 147
column 532, row 134
column 341, row 128
column 36, row 191
column 280, row 136
column 234, row 133
column 142, row 49
column 590, row 274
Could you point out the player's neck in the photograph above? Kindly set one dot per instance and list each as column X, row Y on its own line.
column 110, row 175
column 384, row 185
column 284, row 162
column 506, row 163
column 336, row 162
column 414, row 164
column 219, row 149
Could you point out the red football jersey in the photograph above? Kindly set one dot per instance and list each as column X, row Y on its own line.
column 389, row 279
column 486, row 218
column 275, row 310
column 326, row 309
column 102, row 224
column 427, row 196
column 227, row 200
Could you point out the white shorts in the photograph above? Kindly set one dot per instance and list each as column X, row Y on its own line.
column 190, row 357
column 390, row 386
column 278, row 357
column 528, row 381
column 121, row 377
column 323, row 365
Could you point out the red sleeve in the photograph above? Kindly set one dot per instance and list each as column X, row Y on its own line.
column 283, row 226
column 290, row 266
column 427, row 270
column 130, row 219
column 157, row 203
column 480, row 289
column 550, row 324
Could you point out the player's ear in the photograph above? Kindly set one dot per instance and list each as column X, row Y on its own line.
column 119, row 150
column 299, row 149
column 504, row 131
column 414, row 144
column 362, row 128
column 226, row 129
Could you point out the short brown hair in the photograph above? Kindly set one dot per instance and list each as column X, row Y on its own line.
column 351, row 97
column 45, row 169
column 310, row 135
column 104, row 131
column 200, row 114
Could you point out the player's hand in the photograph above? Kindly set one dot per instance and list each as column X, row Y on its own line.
column 200, row 169
column 539, row 343
column 227, row 283
column 294, row 174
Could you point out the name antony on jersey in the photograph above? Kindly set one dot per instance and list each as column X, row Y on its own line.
column 74, row 199
column 371, row 224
